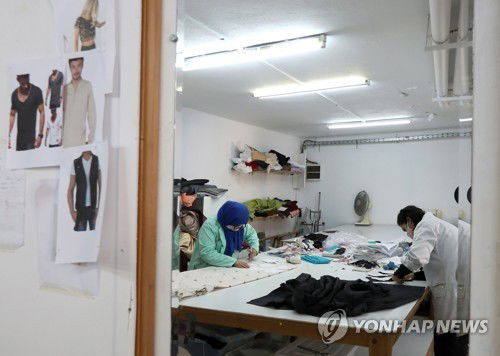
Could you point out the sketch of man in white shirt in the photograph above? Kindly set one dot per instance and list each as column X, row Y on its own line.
column 79, row 108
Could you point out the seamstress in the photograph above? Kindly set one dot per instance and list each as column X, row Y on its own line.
column 221, row 238
column 435, row 249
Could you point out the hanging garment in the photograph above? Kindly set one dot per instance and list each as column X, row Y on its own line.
column 307, row 295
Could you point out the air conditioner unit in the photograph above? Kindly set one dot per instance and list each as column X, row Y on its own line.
column 313, row 172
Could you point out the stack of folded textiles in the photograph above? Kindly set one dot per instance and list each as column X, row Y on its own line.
column 376, row 251
column 252, row 160
column 197, row 186
column 270, row 207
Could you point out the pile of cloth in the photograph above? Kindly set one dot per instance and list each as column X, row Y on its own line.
column 269, row 207
column 252, row 160
column 317, row 239
column 205, row 280
column 307, row 295
column 304, row 247
column 376, row 250
column 197, row 186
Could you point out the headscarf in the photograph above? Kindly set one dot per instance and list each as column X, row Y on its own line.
column 233, row 213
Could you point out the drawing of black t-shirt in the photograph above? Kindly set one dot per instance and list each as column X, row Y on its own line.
column 26, row 114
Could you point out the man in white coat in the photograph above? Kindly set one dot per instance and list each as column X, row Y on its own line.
column 435, row 250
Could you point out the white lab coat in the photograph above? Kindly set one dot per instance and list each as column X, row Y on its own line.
column 435, row 249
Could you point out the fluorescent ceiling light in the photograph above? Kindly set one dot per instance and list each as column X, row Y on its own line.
column 467, row 119
column 342, row 121
column 255, row 52
column 311, row 87
column 374, row 123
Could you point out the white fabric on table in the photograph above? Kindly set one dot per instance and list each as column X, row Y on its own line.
column 205, row 280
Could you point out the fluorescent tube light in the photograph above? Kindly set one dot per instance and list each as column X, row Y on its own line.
column 255, row 52
column 355, row 125
column 311, row 87
column 467, row 119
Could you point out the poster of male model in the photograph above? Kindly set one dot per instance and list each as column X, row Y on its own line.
column 35, row 118
column 55, row 102
column 82, row 192
column 83, row 99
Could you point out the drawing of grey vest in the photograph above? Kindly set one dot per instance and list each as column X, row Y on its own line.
column 81, row 182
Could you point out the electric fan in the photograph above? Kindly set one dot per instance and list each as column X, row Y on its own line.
column 361, row 206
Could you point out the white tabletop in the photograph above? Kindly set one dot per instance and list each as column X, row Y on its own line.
column 372, row 232
column 235, row 299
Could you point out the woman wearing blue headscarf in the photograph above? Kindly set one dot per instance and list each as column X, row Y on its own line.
column 221, row 238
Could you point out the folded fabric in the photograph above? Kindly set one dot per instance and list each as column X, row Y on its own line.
column 316, row 237
column 390, row 266
column 282, row 159
column 262, row 205
column 373, row 251
column 294, row 259
column 317, row 260
column 343, row 238
column 364, row 264
column 266, row 213
column 242, row 168
column 184, row 182
column 252, row 165
column 336, row 253
column 307, row 295
column 261, row 164
column 258, row 156
column 245, row 153
column 271, row 159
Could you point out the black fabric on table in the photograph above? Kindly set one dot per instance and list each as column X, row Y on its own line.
column 316, row 237
column 364, row 264
column 307, row 295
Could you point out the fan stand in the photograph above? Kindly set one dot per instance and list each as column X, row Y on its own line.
column 365, row 221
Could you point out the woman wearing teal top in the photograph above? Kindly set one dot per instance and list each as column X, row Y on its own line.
column 222, row 237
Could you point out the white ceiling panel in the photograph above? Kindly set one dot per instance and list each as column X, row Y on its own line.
column 382, row 40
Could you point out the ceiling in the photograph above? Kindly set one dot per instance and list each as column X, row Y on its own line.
column 382, row 40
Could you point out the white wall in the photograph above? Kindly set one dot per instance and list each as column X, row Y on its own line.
column 47, row 322
column 205, row 145
column 422, row 173
column 485, row 247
